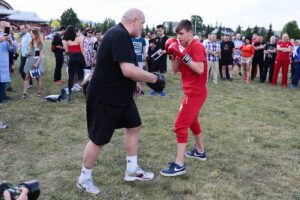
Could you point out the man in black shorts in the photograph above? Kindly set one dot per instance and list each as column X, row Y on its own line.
column 227, row 53
column 110, row 103
column 160, row 65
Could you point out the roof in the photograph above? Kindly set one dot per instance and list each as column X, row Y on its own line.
column 5, row 12
column 24, row 16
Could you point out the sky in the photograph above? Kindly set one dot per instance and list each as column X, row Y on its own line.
column 229, row 13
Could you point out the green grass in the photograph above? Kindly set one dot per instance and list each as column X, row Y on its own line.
column 251, row 135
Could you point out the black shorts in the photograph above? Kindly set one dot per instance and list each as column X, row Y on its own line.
column 103, row 118
column 160, row 65
column 227, row 61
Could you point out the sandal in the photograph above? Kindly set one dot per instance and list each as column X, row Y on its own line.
column 39, row 94
column 24, row 96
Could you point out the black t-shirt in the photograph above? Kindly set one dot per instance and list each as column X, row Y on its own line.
column 227, row 49
column 259, row 53
column 160, row 44
column 108, row 83
column 57, row 41
column 96, row 45
column 270, row 47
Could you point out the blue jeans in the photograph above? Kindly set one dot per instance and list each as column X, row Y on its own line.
column 296, row 75
column 2, row 91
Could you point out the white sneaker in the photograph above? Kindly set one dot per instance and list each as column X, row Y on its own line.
column 139, row 174
column 3, row 126
column 87, row 185
column 77, row 86
column 75, row 89
column 215, row 82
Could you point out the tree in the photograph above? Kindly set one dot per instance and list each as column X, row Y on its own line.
column 107, row 24
column 248, row 31
column 255, row 30
column 291, row 28
column 208, row 30
column 262, row 32
column 170, row 29
column 69, row 17
column 238, row 29
column 147, row 30
column 197, row 23
column 270, row 33
column 219, row 33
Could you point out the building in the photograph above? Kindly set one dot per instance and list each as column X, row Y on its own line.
column 17, row 18
column 225, row 31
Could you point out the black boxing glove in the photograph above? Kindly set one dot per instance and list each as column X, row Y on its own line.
column 160, row 84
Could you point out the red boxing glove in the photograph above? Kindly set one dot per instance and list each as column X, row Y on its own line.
column 169, row 42
column 179, row 51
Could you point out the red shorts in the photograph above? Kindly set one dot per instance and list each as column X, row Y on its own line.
column 187, row 116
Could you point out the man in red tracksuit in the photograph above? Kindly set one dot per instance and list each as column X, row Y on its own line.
column 189, row 58
column 284, row 49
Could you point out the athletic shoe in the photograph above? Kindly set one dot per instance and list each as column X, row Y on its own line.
column 215, row 82
column 139, row 174
column 195, row 154
column 291, row 86
column 3, row 126
column 163, row 93
column 87, row 185
column 173, row 170
column 152, row 93
column 77, row 86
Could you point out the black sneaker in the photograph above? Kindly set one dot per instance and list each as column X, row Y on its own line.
column 195, row 154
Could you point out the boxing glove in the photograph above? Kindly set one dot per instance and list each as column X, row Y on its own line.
column 169, row 42
column 179, row 51
column 159, row 85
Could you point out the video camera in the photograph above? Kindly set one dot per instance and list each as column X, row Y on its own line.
column 15, row 191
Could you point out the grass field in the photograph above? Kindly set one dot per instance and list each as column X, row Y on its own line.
column 251, row 134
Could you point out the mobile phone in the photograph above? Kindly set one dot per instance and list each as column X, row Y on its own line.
column 7, row 30
column 37, row 53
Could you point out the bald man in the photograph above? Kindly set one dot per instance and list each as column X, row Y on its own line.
column 110, row 103
column 284, row 50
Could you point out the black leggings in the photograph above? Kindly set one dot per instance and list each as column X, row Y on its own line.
column 75, row 67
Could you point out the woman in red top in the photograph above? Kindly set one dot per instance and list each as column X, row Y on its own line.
column 247, row 55
column 284, row 50
column 74, row 47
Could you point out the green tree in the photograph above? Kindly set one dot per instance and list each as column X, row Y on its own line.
column 107, row 24
column 270, row 33
column 69, row 17
column 170, row 29
column 197, row 23
column 219, row 33
column 98, row 26
column 147, row 30
column 208, row 29
column 255, row 30
column 262, row 32
column 238, row 29
column 291, row 28
column 248, row 31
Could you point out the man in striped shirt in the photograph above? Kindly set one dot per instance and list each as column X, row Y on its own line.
column 213, row 55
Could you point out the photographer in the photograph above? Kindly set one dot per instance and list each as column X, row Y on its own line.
column 28, row 190
column 6, row 45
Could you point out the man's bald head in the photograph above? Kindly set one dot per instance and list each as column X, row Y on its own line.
column 133, row 20
column 131, row 14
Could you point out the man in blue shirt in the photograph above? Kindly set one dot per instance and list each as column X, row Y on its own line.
column 139, row 45
column 25, row 29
